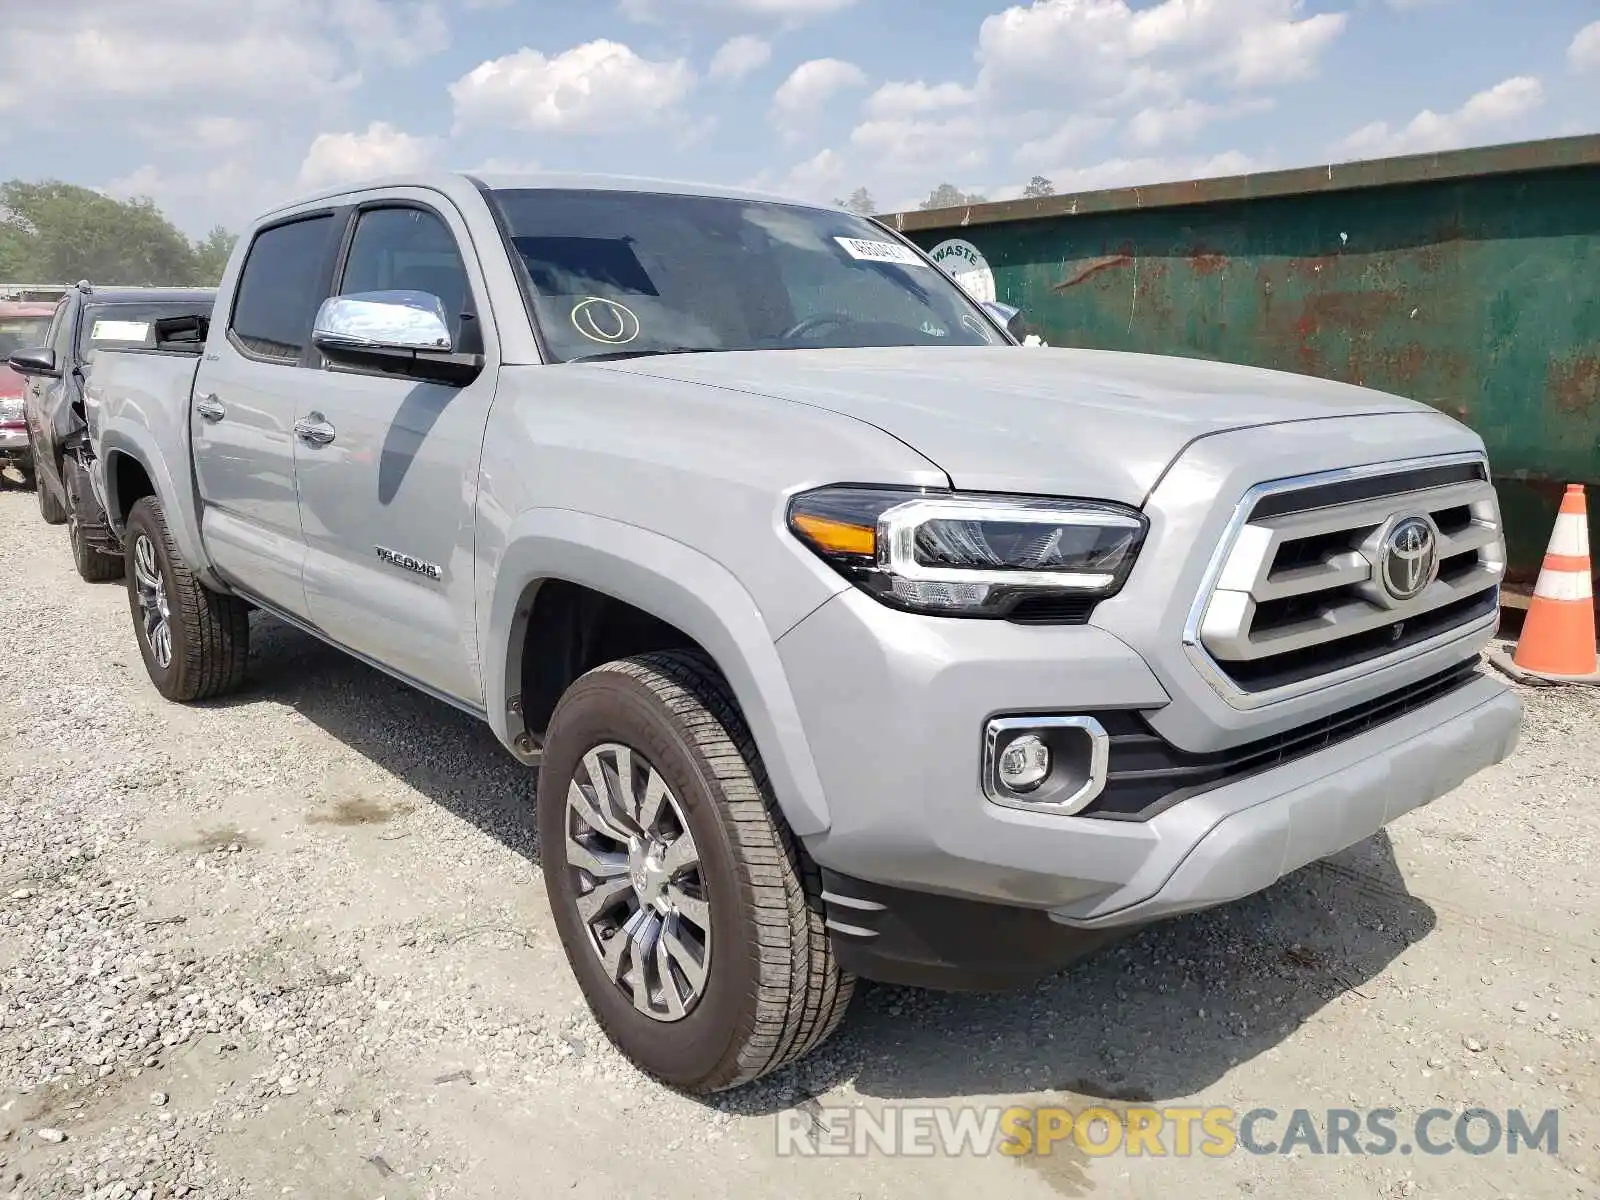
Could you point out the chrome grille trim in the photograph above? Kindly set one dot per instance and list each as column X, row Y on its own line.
column 1243, row 575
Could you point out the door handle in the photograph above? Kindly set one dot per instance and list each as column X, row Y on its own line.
column 314, row 428
column 210, row 408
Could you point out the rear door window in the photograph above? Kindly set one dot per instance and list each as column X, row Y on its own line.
column 127, row 326
column 280, row 288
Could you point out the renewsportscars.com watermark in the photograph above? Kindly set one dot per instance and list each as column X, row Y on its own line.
column 1098, row 1131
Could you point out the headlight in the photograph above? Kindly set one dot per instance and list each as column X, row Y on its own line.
column 10, row 409
column 968, row 555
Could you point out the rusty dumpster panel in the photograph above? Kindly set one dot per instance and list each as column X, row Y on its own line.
column 1475, row 291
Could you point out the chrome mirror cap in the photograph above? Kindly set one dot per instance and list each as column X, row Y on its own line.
column 398, row 320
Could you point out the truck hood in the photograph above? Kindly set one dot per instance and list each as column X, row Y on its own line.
column 1089, row 423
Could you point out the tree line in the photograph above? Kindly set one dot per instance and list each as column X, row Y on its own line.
column 946, row 195
column 54, row 232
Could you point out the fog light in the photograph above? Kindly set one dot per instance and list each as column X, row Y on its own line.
column 1025, row 763
column 1045, row 763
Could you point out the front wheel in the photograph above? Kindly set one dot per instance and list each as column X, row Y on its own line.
column 689, row 913
column 194, row 641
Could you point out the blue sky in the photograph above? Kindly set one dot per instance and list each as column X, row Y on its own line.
column 218, row 108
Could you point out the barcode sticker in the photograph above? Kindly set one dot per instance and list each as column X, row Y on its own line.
column 120, row 331
column 868, row 250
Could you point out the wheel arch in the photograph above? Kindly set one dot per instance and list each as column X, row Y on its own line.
column 670, row 583
column 133, row 467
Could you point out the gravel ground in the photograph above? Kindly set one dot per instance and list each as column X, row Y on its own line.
column 296, row 944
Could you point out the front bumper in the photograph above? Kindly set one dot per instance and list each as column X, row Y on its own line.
column 894, row 706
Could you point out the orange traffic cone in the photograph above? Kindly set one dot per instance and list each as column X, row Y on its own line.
column 1558, row 638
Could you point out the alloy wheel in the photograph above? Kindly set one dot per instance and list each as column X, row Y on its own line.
column 154, row 610
column 640, row 892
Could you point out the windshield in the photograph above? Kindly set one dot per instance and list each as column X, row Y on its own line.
column 129, row 325
column 23, row 333
column 615, row 274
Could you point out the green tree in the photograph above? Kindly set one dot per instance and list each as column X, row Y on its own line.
column 211, row 255
column 1037, row 188
column 53, row 232
column 948, row 195
column 860, row 202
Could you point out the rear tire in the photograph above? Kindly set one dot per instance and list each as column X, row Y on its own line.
column 195, row 642
column 94, row 565
column 770, row 990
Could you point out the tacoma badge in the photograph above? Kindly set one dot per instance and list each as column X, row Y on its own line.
column 405, row 561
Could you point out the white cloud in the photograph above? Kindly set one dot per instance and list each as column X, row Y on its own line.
column 1485, row 115
column 811, row 85
column 381, row 150
column 1067, row 137
column 1283, row 51
column 957, row 145
column 1584, row 53
column 738, row 56
column 1157, row 125
column 289, row 53
column 1141, row 172
column 598, row 87
column 908, row 99
column 228, row 192
column 398, row 34
column 818, row 178
column 657, row 10
column 211, row 133
column 1089, row 47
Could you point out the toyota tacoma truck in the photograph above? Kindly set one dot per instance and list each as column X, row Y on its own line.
column 849, row 638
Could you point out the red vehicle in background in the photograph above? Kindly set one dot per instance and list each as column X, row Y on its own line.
column 23, row 325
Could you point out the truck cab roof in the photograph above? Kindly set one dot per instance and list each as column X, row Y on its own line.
column 449, row 182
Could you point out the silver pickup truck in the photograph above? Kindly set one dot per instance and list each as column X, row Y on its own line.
column 849, row 637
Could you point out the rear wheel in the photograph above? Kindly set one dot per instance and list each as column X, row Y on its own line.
column 689, row 913
column 195, row 642
column 83, row 513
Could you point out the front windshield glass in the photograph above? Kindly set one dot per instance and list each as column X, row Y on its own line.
column 23, row 333
column 616, row 274
column 129, row 325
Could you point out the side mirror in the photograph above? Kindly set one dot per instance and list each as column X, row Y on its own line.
column 400, row 332
column 1010, row 318
column 408, row 321
column 41, row 361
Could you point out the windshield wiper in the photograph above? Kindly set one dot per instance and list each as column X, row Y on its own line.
column 613, row 355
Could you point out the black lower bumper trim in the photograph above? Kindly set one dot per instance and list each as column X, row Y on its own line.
column 918, row 939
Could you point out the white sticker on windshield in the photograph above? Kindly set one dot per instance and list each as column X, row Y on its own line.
column 868, row 250
column 120, row 331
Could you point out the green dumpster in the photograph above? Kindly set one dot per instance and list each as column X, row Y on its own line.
column 1468, row 280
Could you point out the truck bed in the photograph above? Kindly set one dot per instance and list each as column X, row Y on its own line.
column 138, row 401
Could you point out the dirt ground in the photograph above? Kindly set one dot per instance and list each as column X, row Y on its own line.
column 296, row 944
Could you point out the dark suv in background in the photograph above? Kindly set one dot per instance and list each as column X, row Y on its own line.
column 88, row 319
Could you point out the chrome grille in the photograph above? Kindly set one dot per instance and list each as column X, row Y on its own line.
column 1330, row 574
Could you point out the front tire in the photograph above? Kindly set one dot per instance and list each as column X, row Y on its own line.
column 195, row 642
column 689, row 913
column 94, row 564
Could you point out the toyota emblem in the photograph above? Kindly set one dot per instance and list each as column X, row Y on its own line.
column 1408, row 557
